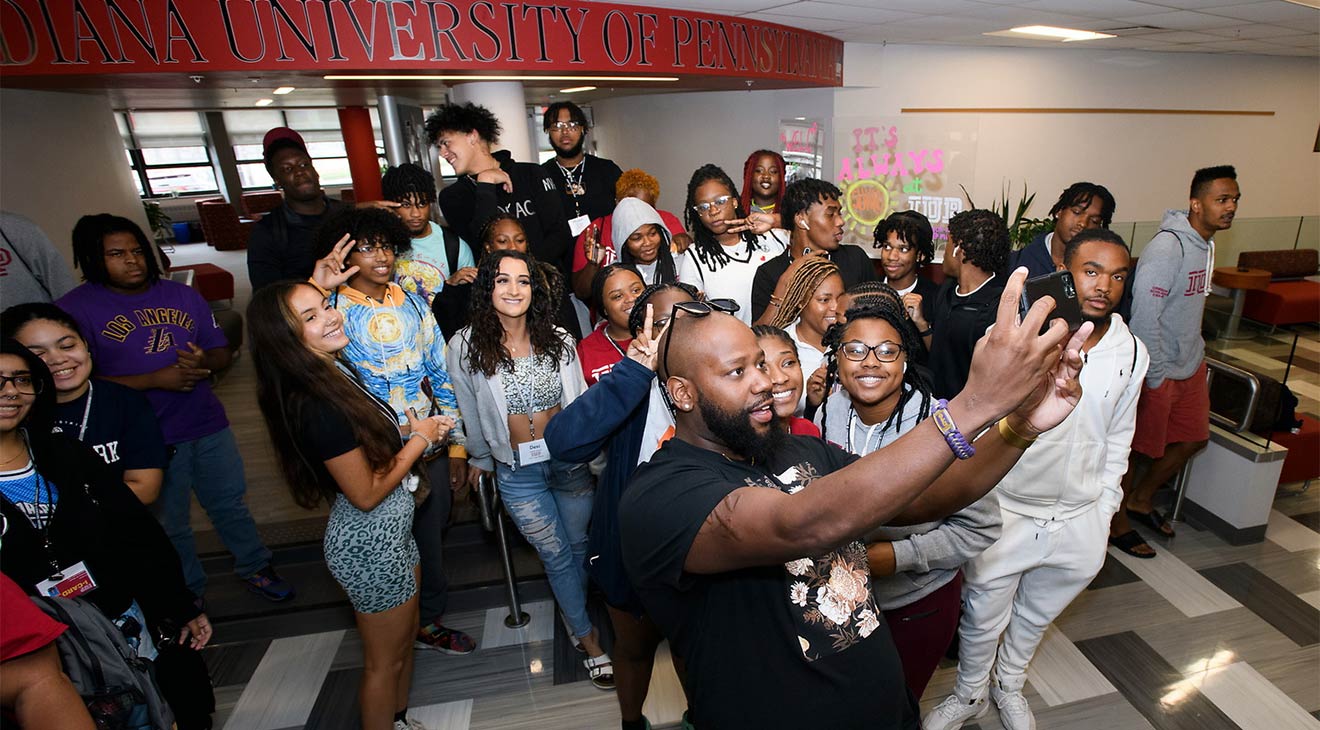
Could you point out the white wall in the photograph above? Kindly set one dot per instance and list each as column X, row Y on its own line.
column 1146, row 160
column 671, row 135
column 61, row 158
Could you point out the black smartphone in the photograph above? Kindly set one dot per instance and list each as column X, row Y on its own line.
column 1059, row 285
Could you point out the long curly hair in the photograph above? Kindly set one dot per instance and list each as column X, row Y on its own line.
column 486, row 350
column 290, row 377
column 708, row 251
column 812, row 273
column 40, row 418
column 749, row 167
column 914, row 382
column 463, row 118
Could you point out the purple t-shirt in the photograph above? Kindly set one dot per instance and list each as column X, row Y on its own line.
column 132, row 334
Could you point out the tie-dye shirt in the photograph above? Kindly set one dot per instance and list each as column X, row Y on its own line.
column 394, row 345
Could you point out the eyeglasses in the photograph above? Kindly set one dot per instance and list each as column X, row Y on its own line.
column 705, row 208
column 368, row 249
column 692, row 309
column 565, row 126
column 857, row 351
column 25, row 384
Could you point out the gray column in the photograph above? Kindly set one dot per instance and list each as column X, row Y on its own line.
column 222, row 159
column 391, row 130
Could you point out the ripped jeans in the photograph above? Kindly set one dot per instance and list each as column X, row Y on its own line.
column 551, row 504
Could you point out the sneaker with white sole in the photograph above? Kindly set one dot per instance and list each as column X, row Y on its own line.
column 953, row 712
column 1014, row 712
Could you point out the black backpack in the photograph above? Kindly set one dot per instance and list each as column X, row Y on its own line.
column 119, row 688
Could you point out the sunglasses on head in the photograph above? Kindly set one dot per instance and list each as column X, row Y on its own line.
column 691, row 309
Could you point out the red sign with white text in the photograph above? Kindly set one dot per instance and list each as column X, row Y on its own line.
column 83, row 37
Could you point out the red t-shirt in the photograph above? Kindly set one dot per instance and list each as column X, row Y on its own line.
column 598, row 354
column 25, row 628
column 802, row 427
column 672, row 223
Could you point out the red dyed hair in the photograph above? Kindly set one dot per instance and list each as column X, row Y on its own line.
column 750, row 165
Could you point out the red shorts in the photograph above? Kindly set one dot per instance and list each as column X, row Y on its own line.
column 1176, row 412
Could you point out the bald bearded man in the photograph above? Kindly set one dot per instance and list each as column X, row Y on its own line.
column 743, row 541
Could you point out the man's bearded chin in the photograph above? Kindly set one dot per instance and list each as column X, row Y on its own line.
column 574, row 152
column 735, row 430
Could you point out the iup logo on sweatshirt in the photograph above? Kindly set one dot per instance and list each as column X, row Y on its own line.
column 1196, row 282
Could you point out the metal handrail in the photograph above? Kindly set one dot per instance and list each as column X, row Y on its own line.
column 1214, row 366
column 492, row 519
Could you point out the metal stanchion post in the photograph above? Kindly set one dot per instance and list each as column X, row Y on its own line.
column 492, row 517
column 1180, row 488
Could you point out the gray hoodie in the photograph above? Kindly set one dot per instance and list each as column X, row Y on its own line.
column 926, row 556
column 629, row 215
column 1168, row 298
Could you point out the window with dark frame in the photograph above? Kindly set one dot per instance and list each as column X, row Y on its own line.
column 168, row 153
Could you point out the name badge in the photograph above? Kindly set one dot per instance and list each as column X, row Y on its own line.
column 71, row 582
column 533, row 452
column 579, row 224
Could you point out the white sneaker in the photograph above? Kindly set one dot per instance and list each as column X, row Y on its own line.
column 409, row 724
column 1014, row 713
column 953, row 712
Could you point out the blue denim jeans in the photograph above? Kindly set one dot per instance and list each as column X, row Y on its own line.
column 551, row 504
column 212, row 468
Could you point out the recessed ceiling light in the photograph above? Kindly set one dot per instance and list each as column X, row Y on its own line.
column 284, row 90
column 576, row 89
column 265, row 102
column 450, row 77
column 1051, row 33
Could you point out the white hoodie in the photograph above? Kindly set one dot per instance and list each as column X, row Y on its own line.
column 1081, row 460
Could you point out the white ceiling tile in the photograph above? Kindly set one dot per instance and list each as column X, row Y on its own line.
column 1310, row 40
column 1197, row 4
column 945, row 25
column 1276, row 11
column 1013, row 16
column 818, row 25
column 846, row 13
column 1254, row 31
column 1182, row 36
column 1180, row 20
column 723, row 7
column 919, row 7
column 1291, row 51
column 1093, row 8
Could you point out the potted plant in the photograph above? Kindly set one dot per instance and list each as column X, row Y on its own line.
column 158, row 219
column 1021, row 229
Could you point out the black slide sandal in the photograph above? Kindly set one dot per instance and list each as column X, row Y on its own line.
column 1129, row 540
column 1152, row 519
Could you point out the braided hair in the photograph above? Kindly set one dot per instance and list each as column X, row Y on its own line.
column 865, row 291
column 637, row 317
column 749, row 169
column 487, row 230
column 708, row 251
column 914, row 382
column 809, row 276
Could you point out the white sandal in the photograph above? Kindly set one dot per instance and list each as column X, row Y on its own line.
column 601, row 670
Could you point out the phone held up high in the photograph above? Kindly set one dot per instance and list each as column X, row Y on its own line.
column 1059, row 285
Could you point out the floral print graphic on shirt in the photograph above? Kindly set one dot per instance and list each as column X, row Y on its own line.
column 829, row 595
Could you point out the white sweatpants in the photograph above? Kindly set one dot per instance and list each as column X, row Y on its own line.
column 1017, row 587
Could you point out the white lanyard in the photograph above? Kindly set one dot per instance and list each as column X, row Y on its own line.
column 852, row 418
column 87, row 410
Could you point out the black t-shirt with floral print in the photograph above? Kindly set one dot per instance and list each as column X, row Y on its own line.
column 801, row 644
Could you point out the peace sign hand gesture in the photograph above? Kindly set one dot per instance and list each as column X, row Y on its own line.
column 645, row 348
column 330, row 272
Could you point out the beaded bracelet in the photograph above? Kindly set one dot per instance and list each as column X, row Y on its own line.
column 952, row 436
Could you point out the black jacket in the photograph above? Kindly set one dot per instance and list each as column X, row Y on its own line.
column 280, row 245
column 467, row 205
column 99, row 521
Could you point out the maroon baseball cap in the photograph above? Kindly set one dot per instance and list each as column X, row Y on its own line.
column 281, row 133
